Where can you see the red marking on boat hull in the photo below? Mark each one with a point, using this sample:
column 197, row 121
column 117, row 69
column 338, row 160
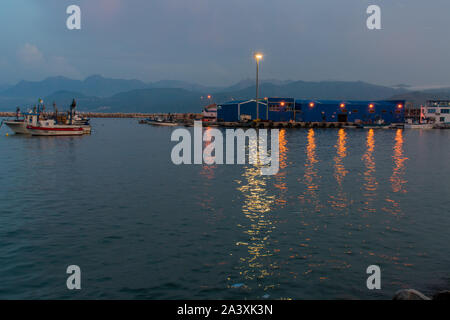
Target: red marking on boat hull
column 54, row 129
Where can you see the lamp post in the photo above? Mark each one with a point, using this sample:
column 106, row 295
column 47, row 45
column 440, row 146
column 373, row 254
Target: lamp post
column 258, row 56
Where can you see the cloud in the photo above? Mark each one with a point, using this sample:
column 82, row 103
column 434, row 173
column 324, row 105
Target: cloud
column 35, row 63
column 30, row 54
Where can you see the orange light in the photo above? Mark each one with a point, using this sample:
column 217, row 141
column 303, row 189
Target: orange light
column 311, row 104
column 209, row 96
column 400, row 106
column 258, row 56
column 371, row 106
column 342, row 105
column 282, row 103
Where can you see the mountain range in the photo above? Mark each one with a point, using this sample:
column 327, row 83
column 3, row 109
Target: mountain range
column 97, row 93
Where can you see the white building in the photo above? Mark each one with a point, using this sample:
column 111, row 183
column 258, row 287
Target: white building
column 210, row 113
column 437, row 112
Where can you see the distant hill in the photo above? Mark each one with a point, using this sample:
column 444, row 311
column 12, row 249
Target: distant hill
column 4, row 87
column 172, row 84
column 99, row 93
column 63, row 99
column 93, row 85
column 248, row 83
column 339, row 90
column 155, row 100
column 420, row 97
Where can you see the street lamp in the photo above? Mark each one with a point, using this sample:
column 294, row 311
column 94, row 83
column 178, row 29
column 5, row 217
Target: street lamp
column 258, row 56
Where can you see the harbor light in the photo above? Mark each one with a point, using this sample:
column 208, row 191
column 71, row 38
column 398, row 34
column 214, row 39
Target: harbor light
column 371, row 106
column 342, row 105
column 311, row 104
column 258, row 56
column 282, row 103
column 400, row 106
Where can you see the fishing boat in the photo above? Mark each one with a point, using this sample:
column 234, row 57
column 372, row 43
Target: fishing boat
column 20, row 123
column 380, row 124
column 51, row 128
column 162, row 122
column 37, row 122
column 17, row 126
column 419, row 125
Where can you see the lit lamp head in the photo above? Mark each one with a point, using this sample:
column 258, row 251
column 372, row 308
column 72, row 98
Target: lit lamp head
column 371, row 106
column 400, row 106
column 311, row 104
column 258, row 56
column 282, row 103
column 342, row 105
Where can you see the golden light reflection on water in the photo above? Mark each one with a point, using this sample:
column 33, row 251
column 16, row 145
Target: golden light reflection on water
column 397, row 179
column 280, row 177
column 370, row 183
column 206, row 200
column 256, row 208
column 340, row 201
column 310, row 176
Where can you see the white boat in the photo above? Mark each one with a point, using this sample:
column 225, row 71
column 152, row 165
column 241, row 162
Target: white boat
column 162, row 122
column 379, row 124
column 419, row 125
column 37, row 123
column 19, row 126
column 50, row 128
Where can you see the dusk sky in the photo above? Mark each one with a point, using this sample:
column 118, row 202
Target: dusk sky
column 211, row 42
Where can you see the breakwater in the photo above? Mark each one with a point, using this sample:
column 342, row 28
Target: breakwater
column 166, row 116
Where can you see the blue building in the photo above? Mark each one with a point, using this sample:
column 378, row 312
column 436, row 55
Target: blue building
column 289, row 109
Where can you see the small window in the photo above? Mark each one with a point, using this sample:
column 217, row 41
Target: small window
column 445, row 110
column 431, row 110
column 383, row 111
column 442, row 119
column 355, row 111
column 371, row 111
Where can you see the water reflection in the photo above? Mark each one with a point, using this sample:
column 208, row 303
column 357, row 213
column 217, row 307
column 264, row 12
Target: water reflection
column 310, row 177
column 370, row 183
column 280, row 178
column 339, row 201
column 256, row 208
column 397, row 179
column 205, row 198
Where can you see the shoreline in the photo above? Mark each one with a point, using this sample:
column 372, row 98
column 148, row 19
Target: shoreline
column 118, row 115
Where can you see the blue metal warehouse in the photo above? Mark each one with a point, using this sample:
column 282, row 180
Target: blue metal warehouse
column 289, row 109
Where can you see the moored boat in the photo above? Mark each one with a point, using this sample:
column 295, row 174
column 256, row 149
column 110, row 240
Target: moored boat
column 162, row 122
column 419, row 125
column 22, row 120
column 50, row 128
column 17, row 126
column 37, row 122
column 380, row 124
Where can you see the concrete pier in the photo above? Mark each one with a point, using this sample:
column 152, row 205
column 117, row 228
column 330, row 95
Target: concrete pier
column 165, row 116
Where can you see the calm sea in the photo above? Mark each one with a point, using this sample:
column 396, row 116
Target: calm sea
column 140, row 227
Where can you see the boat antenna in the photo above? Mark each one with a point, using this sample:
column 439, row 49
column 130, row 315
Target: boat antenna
column 72, row 109
column 55, row 108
